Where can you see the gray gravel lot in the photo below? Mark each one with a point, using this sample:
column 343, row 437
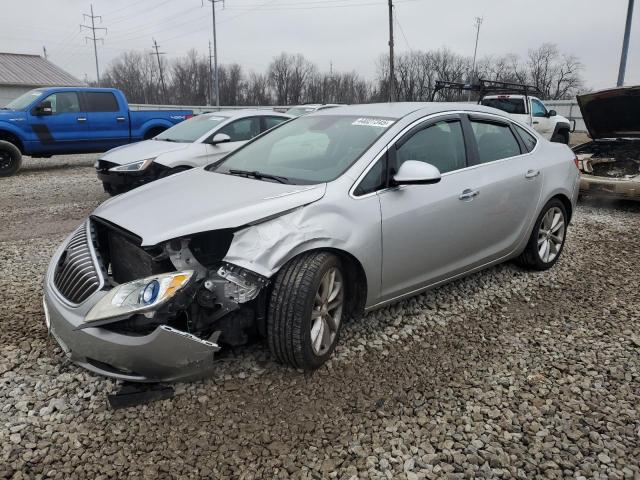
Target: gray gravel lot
column 502, row 374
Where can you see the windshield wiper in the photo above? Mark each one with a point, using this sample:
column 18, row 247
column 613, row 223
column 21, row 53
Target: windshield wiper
column 259, row 175
column 168, row 140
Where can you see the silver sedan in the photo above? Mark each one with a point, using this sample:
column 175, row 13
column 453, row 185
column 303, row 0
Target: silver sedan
column 323, row 218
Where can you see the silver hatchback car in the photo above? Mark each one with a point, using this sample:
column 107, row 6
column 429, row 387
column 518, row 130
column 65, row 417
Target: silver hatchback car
column 325, row 217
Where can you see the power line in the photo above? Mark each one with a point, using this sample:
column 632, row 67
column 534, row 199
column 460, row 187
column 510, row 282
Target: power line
column 402, row 29
column 158, row 53
column 391, row 66
column 93, row 29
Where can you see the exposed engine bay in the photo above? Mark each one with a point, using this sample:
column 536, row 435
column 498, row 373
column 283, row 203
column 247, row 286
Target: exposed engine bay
column 610, row 168
column 222, row 303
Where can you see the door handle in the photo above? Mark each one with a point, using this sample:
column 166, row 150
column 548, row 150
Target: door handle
column 120, row 119
column 82, row 119
column 536, row 123
column 468, row 194
column 532, row 174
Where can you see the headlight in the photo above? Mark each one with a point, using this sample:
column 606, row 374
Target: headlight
column 139, row 296
column 133, row 167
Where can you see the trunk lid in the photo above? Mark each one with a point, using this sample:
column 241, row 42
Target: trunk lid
column 613, row 113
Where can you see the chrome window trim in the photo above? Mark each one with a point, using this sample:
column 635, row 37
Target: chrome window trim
column 414, row 124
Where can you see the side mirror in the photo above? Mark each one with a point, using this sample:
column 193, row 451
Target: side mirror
column 43, row 108
column 220, row 138
column 413, row 172
column 552, row 113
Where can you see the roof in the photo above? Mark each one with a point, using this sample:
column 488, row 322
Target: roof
column 402, row 109
column 245, row 112
column 33, row 71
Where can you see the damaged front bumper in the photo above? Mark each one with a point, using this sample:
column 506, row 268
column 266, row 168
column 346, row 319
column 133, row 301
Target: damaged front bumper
column 166, row 354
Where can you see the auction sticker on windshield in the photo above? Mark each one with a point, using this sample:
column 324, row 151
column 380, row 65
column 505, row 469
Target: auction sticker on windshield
column 373, row 122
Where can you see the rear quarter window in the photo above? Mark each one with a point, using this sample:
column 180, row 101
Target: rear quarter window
column 529, row 140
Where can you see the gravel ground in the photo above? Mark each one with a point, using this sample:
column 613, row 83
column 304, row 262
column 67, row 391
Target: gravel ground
column 502, row 374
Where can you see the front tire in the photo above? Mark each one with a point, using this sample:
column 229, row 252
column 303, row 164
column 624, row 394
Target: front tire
column 306, row 310
column 10, row 159
column 547, row 238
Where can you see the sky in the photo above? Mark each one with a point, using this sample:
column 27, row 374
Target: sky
column 347, row 34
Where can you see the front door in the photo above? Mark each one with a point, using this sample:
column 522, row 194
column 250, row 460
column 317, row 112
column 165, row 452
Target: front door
column 429, row 231
column 239, row 131
column 63, row 129
column 540, row 118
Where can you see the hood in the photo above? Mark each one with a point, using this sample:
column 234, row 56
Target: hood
column 612, row 113
column 142, row 151
column 198, row 201
column 12, row 116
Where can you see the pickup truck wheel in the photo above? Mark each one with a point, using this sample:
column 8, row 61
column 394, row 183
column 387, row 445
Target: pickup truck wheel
column 153, row 132
column 547, row 239
column 561, row 137
column 10, row 159
column 306, row 310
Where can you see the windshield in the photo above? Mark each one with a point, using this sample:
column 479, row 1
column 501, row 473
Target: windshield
column 509, row 105
column 191, row 130
column 297, row 111
column 314, row 149
column 24, row 100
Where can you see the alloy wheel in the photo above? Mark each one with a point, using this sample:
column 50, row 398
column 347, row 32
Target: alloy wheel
column 327, row 311
column 551, row 235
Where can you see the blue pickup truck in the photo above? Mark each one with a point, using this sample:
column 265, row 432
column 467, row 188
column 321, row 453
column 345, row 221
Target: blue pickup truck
column 57, row 121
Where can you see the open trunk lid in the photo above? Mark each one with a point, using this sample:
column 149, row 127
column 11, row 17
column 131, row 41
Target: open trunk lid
column 613, row 113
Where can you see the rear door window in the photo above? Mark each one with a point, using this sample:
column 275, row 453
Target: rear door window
column 101, row 102
column 270, row 122
column 495, row 141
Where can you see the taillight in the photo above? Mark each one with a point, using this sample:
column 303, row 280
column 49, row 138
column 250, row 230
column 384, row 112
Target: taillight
column 188, row 116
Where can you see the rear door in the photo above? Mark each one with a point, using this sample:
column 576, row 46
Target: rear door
column 108, row 121
column 510, row 184
column 64, row 129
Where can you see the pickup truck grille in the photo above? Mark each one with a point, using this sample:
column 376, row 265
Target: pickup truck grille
column 77, row 276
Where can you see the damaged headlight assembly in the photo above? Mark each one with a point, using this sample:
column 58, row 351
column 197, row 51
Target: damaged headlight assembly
column 134, row 166
column 139, row 296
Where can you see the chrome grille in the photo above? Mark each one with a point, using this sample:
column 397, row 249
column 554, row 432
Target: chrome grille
column 77, row 276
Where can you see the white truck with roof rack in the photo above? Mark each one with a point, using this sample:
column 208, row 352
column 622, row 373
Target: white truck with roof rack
column 515, row 100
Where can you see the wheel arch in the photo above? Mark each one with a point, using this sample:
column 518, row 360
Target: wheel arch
column 11, row 137
column 566, row 202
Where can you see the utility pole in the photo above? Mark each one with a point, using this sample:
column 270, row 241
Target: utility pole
column 478, row 24
column 44, row 50
column 215, row 50
column 625, row 45
column 210, row 76
column 93, row 29
column 392, row 76
column 158, row 53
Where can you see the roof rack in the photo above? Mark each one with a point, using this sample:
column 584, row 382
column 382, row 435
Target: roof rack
column 485, row 87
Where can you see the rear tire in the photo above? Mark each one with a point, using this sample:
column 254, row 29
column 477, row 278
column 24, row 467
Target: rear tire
column 306, row 310
column 547, row 238
column 10, row 159
column 561, row 137
column 153, row 132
